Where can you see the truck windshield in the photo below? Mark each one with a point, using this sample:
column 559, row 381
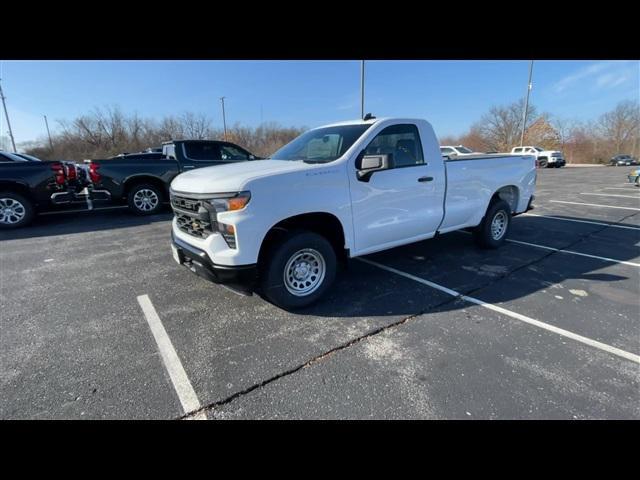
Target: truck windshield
column 321, row 145
column 462, row 149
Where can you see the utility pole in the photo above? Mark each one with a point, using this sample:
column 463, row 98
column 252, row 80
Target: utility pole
column 6, row 114
column 224, row 119
column 526, row 104
column 361, row 88
column 48, row 133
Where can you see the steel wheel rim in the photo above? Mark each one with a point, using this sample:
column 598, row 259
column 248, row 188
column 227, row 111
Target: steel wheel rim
column 11, row 211
column 304, row 272
column 499, row 225
column 145, row 199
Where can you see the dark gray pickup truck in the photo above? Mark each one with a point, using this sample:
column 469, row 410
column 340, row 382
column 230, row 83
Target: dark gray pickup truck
column 142, row 180
column 28, row 187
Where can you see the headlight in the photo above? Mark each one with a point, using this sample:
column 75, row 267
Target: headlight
column 229, row 203
column 233, row 202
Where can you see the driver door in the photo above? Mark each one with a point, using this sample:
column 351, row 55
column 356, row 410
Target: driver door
column 401, row 204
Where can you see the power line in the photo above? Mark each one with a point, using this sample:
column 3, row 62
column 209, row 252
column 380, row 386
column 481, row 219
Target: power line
column 224, row 119
column 48, row 133
column 526, row 104
column 6, row 114
column 361, row 88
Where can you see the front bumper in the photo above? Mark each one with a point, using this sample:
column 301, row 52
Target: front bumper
column 201, row 264
column 556, row 161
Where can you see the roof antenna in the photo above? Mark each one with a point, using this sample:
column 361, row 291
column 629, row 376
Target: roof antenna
column 368, row 116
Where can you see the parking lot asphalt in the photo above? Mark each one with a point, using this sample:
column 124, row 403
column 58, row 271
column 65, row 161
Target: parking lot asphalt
column 549, row 327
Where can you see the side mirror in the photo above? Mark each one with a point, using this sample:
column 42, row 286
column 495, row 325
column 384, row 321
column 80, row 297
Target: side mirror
column 368, row 164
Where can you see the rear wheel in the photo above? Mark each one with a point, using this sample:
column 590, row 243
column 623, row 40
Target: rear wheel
column 15, row 210
column 298, row 270
column 144, row 199
column 494, row 227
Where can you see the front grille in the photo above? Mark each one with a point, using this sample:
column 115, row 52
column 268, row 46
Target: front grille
column 193, row 216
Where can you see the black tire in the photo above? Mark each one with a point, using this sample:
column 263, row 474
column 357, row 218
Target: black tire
column 484, row 234
column 137, row 194
column 18, row 204
column 276, row 259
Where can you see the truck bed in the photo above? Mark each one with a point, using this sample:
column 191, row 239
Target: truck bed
column 471, row 180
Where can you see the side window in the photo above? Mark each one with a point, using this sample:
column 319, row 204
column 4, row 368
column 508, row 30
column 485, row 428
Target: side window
column 202, row 151
column 446, row 151
column 517, row 150
column 228, row 152
column 170, row 151
column 401, row 143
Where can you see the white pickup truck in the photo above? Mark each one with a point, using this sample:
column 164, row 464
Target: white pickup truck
column 544, row 158
column 456, row 150
column 336, row 192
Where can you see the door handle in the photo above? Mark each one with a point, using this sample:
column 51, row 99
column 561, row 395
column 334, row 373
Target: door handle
column 425, row 179
column 187, row 167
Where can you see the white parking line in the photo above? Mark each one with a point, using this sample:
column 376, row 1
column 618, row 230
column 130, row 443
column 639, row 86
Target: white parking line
column 580, row 221
column 630, row 187
column 571, row 252
column 594, row 205
column 181, row 383
column 609, row 195
column 523, row 318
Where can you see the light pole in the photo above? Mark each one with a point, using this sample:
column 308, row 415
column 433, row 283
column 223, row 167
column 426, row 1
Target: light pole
column 224, row 119
column 48, row 133
column 526, row 104
column 361, row 88
column 6, row 114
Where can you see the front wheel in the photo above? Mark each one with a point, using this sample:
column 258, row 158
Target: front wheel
column 298, row 270
column 493, row 230
column 15, row 210
column 144, row 199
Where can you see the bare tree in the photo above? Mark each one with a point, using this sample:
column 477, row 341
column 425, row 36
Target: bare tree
column 621, row 126
column 501, row 127
column 196, row 126
column 106, row 132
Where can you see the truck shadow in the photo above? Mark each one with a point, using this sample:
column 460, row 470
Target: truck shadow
column 64, row 223
column 511, row 272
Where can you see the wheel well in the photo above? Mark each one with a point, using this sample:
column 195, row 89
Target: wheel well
column 16, row 188
column 155, row 181
column 322, row 223
column 509, row 194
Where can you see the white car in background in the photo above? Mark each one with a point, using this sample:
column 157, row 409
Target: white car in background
column 456, row 151
column 544, row 158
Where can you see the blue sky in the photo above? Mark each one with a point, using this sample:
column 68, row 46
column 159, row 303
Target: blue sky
column 450, row 94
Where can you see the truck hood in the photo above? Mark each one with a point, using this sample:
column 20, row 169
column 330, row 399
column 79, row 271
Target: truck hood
column 232, row 177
